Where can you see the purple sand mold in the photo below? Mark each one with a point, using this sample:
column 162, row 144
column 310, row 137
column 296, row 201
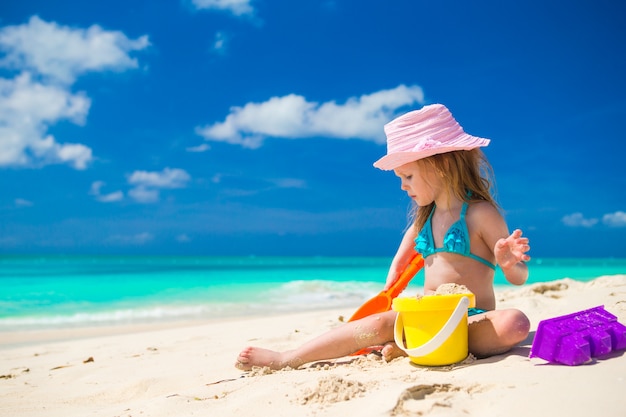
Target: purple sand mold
column 575, row 338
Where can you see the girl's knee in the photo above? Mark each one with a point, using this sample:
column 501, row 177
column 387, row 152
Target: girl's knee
column 497, row 332
column 382, row 323
column 514, row 324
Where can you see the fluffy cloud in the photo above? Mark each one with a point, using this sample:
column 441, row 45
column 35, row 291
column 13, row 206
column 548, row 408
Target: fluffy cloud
column 148, row 183
column 168, row 178
column 292, row 116
column 578, row 220
column 617, row 219
column 104, row 198
column 47, row 58
column 236, row 7
column 198, row 149
column 144, row 195
column 27, row 108
column 62, row 53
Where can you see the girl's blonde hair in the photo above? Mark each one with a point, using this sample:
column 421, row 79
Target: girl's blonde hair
column 467, row 175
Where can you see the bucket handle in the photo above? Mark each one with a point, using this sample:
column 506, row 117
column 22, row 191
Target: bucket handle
column 433, row 344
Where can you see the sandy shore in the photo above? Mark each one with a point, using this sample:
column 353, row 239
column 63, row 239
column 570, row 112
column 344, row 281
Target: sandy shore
column 188, row 370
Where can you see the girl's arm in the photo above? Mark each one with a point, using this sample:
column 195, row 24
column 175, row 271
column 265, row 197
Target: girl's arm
column 402, row 256
column 509, row 250
column 510, row 253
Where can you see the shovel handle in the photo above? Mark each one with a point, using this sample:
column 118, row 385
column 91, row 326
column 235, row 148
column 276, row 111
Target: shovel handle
column 382, row 302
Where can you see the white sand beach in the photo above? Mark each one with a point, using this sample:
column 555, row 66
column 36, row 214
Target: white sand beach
column 188, row 370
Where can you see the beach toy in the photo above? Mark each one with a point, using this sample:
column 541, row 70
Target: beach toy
column 434, row 327
column 575, row 338
column 382, row 302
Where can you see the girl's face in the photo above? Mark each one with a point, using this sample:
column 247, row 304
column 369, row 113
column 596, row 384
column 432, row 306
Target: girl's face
column 420, row 184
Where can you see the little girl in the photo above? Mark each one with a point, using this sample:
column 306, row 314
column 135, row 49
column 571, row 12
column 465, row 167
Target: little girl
column 459, row 231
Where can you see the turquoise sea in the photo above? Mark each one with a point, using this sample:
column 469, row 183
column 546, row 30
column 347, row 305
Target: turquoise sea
column 39, row 292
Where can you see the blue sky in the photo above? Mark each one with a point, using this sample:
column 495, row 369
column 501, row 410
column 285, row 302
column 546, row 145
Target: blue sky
column 249, row 127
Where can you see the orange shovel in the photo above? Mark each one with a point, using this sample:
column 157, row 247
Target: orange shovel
column 382, row 302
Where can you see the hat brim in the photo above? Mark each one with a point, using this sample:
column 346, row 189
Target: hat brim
column 397, row 159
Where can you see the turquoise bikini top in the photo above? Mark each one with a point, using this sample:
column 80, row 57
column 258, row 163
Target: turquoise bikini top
column 456, row 239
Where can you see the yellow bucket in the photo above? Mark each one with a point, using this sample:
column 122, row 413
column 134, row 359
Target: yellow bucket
column 434, row 327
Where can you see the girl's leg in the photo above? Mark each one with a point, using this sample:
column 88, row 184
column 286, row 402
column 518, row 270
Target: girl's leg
column 336, row 343
column 496, row 332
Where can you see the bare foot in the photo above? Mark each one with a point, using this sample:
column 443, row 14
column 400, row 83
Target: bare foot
column 254, row 356
column 391, row 351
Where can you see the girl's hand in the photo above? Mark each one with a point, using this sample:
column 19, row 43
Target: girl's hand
column 512, row 250
column 392, row 277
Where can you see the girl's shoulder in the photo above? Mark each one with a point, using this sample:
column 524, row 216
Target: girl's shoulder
column 485, row 220
column 483, row 210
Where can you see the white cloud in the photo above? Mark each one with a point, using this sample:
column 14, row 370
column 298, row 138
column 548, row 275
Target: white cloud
column 200, row 148
column 74, row 153
column 168, row 178
column 236, row 7
column 37, row 103
column 63, row 53
column 148, row 183
column 144, row 195
column 292, row 116
column 47, row 59
column 617, row 219
column 578, row 220
column 27, row 109
column 111, row 197
column 105, row 198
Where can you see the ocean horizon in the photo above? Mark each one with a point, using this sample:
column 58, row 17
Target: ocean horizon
column 66, row 291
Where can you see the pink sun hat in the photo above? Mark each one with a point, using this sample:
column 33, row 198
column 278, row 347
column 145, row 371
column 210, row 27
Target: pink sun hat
column 422, row 133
